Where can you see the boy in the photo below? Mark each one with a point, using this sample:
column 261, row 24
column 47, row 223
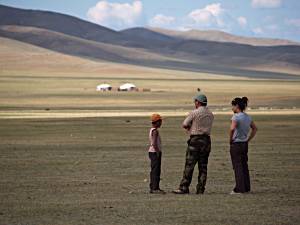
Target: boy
column 155, row 154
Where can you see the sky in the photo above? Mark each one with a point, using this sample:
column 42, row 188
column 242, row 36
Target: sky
column 255, row 18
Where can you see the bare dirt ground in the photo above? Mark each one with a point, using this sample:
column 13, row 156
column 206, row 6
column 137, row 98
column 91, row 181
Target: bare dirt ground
column 119, row 113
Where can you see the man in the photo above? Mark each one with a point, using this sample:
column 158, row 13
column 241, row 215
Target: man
column 198, row 124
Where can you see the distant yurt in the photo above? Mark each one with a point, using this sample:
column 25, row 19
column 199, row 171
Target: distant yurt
column 127, row 87
column 104, row 87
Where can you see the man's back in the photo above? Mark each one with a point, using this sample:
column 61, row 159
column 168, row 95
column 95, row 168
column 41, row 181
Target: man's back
column 200, row 121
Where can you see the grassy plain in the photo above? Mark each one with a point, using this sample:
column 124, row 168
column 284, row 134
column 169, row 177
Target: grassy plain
column 93, row 171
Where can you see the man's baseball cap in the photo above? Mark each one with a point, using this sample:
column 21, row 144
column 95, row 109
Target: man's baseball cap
column 155, row 117
column 201, row 98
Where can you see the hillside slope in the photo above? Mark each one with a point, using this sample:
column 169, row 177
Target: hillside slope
column 146, row 47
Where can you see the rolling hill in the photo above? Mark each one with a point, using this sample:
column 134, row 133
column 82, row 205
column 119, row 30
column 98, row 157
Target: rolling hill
column 220, row 36
column 147, row 47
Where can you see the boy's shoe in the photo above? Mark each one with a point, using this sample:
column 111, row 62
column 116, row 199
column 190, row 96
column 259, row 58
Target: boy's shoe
column 199, row 192
column 181, row 192
column 200, row 189
column 158, row 191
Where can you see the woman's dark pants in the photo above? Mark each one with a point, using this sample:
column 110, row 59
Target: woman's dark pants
column 155, row 158
column 239, row 158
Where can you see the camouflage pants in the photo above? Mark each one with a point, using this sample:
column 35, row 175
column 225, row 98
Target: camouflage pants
column 197, row 152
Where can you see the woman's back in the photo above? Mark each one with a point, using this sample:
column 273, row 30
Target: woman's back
column 243, row 121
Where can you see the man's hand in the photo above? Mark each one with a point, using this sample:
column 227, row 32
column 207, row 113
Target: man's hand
column 187, row 123
column 186, row 127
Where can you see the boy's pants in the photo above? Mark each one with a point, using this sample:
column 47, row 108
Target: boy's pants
column 155, row 158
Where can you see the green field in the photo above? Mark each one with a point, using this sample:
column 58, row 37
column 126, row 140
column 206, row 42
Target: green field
column 79, row 93
column 93, row 171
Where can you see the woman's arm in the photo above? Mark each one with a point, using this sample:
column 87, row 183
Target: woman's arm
column 253, row 131
column 231, row 131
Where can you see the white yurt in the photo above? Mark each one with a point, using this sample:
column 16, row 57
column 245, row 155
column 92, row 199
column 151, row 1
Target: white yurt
column 127, row 87
column 104, row 87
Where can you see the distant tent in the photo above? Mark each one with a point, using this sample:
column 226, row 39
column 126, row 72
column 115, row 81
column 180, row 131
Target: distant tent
column 104, row 87
column 127, row 87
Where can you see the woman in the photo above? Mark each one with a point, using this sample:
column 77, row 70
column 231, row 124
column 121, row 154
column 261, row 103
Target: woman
column 241, row 123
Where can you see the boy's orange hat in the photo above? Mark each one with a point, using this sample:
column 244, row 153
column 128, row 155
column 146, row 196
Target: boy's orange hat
column 155, row 117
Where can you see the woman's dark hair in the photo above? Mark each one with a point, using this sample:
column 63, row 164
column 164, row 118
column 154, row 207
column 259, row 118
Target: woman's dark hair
column 245, row 100
column 240, row 102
